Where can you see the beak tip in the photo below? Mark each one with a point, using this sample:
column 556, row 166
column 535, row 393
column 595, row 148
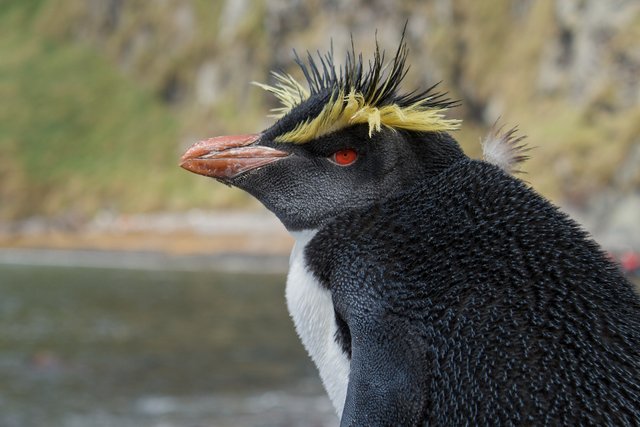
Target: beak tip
column 184, row 160
column 188, row 165
column 226, row 157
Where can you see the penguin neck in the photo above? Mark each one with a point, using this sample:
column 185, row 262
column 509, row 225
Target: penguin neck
column 311, row 308
column 302, row 238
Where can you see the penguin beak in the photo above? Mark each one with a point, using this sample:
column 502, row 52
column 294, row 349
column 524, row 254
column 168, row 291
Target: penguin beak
column 226, row 157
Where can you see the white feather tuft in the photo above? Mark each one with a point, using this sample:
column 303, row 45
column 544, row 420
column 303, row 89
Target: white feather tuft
column 504, row 149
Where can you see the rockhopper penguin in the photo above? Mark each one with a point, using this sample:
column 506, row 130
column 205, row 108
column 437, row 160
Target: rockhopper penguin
column 427, row 287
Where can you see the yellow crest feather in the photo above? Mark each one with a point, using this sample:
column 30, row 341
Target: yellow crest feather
column 342, row 111
column 288, row 91
column 357, row 97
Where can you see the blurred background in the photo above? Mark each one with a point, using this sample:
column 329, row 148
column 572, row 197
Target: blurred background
column 135, row 293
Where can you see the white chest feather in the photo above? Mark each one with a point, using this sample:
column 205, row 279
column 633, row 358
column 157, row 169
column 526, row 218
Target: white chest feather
column 311, row 308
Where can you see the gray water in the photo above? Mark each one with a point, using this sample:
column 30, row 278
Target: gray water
column 108, row 347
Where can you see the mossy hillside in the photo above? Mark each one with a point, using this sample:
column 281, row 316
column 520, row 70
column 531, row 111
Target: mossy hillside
column 578, row 146
column 77, row 136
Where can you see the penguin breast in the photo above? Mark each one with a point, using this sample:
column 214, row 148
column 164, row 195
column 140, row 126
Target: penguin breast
column 311, row 308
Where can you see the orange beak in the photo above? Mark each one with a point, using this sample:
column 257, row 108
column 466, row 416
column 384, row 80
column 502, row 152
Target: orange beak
column 226, row 157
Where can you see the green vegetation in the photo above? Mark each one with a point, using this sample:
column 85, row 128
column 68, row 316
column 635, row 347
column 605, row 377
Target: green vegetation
column 77, row 136
column 578, row 145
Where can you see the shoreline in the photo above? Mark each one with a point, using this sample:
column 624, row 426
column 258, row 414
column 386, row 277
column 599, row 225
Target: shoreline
column 145, row 260
column 226, row 241
column 223, row 241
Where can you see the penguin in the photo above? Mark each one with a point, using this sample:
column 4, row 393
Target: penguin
column 427, row 287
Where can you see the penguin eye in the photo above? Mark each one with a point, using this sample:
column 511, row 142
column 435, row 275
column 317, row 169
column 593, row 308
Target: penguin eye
column 344, row 157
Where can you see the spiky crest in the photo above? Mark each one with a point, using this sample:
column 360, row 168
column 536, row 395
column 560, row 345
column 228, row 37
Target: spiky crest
column 358, row 96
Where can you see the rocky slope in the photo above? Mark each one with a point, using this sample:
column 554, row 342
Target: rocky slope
column 565, row 71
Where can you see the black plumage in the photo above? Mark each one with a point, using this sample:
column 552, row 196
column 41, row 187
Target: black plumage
column 479, row 302
column 379, row 83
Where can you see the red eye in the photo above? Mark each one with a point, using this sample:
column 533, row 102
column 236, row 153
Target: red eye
column 344, row 157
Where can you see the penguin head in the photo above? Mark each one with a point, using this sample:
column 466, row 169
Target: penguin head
column 345, row 141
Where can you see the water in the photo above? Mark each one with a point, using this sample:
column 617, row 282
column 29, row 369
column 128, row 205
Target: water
column 94, row 347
